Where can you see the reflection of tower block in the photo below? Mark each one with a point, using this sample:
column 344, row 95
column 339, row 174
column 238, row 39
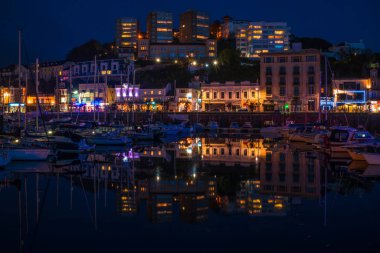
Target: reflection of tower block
column 241, row 196
column 160, row 208
column 143, row 189
column 193, row 208
column 211, row 190
column 126, row 202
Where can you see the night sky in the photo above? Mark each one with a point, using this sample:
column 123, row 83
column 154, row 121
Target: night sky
column 51, row 28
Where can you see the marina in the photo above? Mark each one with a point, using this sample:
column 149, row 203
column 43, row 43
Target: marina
column 224, row 183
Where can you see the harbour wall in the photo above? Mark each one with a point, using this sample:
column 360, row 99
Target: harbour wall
column 370, row 121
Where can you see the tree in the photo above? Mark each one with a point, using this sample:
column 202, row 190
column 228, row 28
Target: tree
column 88, row 50
column 316, row 43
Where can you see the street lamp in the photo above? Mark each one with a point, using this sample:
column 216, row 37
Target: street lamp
column 258, row 98
column 215, row 62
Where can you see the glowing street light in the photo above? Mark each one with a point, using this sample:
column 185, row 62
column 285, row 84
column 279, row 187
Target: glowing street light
column 194, row 63
column 158, row 60
column 215, row 62
column 206, row 65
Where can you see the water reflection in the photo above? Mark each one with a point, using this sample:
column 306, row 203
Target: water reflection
column 186, row 181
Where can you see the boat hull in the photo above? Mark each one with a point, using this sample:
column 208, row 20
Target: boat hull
column 372, row 158
column 356, row 156
column 29, row 154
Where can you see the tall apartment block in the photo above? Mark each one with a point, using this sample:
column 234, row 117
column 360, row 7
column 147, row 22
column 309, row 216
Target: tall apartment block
column 263, row 37
column 230, row 27
column 290, row 81
column 194, row 26
column 160, row 27
column 126, row 37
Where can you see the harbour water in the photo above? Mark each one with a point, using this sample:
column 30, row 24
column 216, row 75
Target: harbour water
column 203, row 194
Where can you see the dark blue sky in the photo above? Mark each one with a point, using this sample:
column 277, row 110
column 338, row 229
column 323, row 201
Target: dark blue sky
column 51, row 28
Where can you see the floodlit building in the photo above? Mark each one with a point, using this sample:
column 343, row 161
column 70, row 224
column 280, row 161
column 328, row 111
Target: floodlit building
column 352, row 95
column 262, row 37
column 127, row 30
column 10, row 99
column 230, row 96
column 188, row 99
column 290, row 81
column 160, row 27
column 194, row 26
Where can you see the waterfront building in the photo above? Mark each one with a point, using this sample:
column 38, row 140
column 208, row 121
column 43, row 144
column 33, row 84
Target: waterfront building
column 10, row 99
column 160, row 27
column 153, row 97
column 290, row 81
column 374, row 89
column 188, row 99
column 352, row 95
column 194, row 26
column 262, row 37
column 125, row 96
column 230, row 27
column 47, row 102
column 230, row 96
column 173, row 51
column 62, row 98
column 127, row 30
column 93, row 96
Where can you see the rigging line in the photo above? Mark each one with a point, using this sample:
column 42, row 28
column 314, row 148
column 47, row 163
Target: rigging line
column 37, row 98
column 85, row 196
column 35, row 231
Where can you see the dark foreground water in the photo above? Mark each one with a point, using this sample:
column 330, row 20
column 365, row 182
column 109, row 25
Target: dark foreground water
column 193, row 195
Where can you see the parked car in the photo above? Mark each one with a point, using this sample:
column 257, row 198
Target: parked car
column 242, row 110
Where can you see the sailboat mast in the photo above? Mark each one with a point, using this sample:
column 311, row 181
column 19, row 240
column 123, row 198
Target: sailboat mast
column 326, row 89
column 95, row 69
column 37, row 84
column 26, row 92
column 19, row 78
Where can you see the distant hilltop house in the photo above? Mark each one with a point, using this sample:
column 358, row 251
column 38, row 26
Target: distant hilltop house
column 346, row 48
